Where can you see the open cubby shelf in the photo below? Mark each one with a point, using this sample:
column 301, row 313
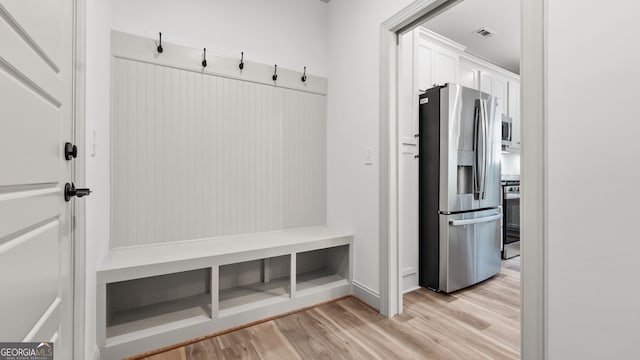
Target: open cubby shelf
column 157, row 302
column 251, row 284
column 150, row 297
column 173, row 313
column 253, row 295
column 318, row 279
column 322, row 268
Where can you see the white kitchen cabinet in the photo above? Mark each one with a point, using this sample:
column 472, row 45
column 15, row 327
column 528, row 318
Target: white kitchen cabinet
column 445, row 67
column 500, row 91
column 468, row 74
column 514, row 113
column 437, row 65
column 408, row 90
column 496, row 85
column 486, row 82
column 415, row 72
column 425, row 66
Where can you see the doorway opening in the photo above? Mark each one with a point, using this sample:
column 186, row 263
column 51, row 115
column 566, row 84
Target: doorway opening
column 429, row 54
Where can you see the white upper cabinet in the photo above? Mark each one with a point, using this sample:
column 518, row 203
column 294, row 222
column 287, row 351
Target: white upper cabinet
column 446, row 67
column 486, row 82
column 514, row 113
column 408, row 90
column 499, row 90
column 440, row 61
column 496, row 85
column 425, row 66
column 438, row 64
column 468, row 74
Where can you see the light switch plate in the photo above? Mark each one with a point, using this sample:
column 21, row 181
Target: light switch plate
column 93, row 144
column 368, row 156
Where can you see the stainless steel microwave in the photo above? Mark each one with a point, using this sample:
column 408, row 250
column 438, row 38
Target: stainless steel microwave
column 507, row 132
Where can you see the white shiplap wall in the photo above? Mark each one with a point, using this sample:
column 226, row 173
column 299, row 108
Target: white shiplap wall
column 197, row 155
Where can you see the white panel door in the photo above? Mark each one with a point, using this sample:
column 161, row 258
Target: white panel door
column 35, row 122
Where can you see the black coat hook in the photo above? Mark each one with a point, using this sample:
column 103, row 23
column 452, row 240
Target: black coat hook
column 275, row 73
column 304, row 75
column 204, row 58
column 160, row 49
column 241, row 65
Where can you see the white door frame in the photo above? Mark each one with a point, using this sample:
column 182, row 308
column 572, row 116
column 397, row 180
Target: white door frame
column 78, row 234
column 533, row 74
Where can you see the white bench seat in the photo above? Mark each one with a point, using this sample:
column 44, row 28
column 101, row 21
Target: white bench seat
column 246, row 278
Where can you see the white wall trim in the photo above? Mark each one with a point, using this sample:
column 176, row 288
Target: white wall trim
column 430, row 35
column 138, row 48
column 96, row 353
column 366, row 294
column 79, row 177
column 473, row 58
column 416, row 13
column 411, row 289
column 390, row 275
column 465, row 55
column 534, row 179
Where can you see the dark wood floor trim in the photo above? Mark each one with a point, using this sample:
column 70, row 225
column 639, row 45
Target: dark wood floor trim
column 223, row 332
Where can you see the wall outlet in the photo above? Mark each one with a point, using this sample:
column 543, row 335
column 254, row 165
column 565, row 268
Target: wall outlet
column 368, row 156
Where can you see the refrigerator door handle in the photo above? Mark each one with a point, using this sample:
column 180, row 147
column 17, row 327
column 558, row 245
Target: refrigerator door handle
column 476, row 143
column 475, row 221
column 485, row 135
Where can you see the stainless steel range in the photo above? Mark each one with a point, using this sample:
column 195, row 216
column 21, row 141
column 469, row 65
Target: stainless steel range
column 511, row 219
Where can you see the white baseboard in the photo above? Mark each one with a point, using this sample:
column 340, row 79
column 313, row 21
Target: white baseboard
column 366, row 294
column 96, row 354
column 411, row 289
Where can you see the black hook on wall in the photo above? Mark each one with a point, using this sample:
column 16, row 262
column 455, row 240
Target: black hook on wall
column 304, row 75
column 275, row 73
column 241, row 65
column 204, row 58
column 160, row 49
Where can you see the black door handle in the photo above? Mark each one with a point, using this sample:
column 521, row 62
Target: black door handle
column 71, row 191
column 70, row 151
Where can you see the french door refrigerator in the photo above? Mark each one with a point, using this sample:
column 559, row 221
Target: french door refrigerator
column 459, row 192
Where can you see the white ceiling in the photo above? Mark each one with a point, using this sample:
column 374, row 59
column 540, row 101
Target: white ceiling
column 501, row 16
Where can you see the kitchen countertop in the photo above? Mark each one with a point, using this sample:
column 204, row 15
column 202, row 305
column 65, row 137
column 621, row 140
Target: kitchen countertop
column 515, row 177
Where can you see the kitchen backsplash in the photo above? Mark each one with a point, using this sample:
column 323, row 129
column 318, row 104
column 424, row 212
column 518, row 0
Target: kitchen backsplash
column 510, row 164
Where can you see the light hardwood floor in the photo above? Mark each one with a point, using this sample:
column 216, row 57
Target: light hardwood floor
column 481, row 322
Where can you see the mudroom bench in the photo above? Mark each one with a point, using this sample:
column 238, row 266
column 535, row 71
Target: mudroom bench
column 156, row 295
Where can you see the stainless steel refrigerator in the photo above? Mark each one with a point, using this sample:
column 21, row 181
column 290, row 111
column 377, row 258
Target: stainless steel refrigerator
column 459, row 193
